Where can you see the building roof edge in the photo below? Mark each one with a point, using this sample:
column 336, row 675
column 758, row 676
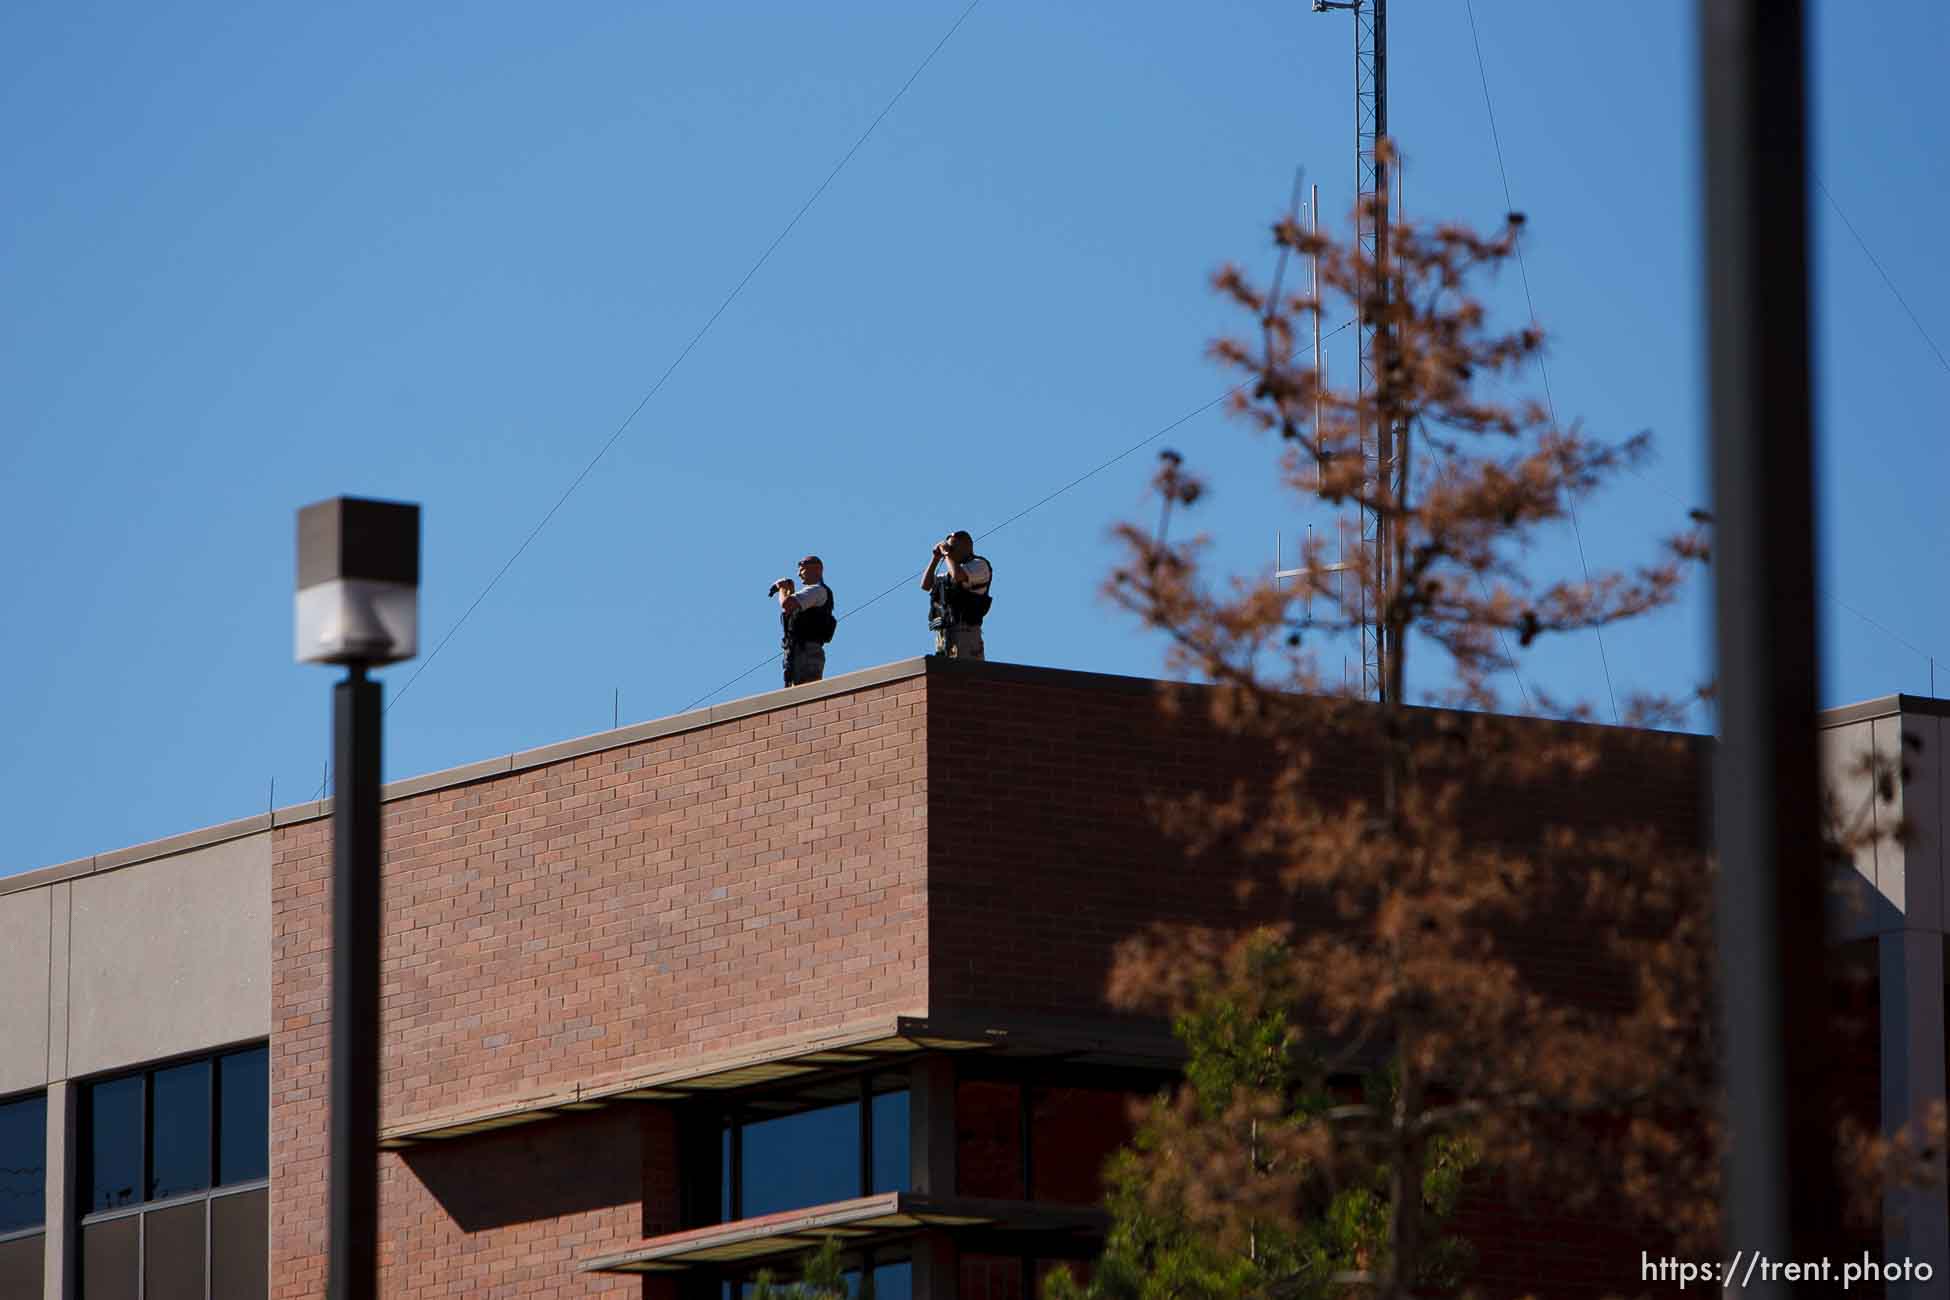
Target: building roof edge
column 483, row 770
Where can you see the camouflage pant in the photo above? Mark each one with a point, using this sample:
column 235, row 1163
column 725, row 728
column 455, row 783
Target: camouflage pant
column 964, row 642
column 805, row 661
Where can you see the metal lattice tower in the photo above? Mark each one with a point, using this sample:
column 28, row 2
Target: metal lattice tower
column 1371, row 207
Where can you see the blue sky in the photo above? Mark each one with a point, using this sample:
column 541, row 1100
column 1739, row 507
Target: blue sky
column 252, row 256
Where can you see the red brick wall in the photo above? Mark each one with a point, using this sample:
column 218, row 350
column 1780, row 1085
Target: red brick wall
column 1527, row 1249
column 608, row 914
column 598, row 917
column 1044, row 852
column 1043, row 855
column 512, row 1212
column 1041, row 850
column 301, row 880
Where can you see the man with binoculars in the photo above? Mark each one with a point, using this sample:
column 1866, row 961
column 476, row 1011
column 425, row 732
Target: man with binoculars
column 806, row 616
column 958, row 599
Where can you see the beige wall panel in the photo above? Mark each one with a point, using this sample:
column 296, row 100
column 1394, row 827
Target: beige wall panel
column 24, row 932
column 1892, row 864
column 1923, row 809
column 61, row 904
column 170, row 956
column 1860, row 907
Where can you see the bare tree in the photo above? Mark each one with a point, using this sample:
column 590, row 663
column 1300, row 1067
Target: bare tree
column 1406, row 919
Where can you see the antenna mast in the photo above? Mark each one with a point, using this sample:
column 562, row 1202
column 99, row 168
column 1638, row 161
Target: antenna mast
column 1381, row 472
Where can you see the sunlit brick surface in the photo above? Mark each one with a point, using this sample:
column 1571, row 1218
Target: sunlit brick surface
column 590, row 919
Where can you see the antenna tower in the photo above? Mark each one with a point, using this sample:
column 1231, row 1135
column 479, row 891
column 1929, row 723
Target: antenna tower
column 1378, row 440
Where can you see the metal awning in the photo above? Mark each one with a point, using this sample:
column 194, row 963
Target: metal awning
column 884, row 1042
column 849, row 1049
column 865, row 1220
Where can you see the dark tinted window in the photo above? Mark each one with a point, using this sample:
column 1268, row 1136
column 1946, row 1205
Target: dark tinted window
column 179, row 1130
column 988, row 1139
column 893, row 1281
column 23, row 1163
column 889, row 1143
column 797, row 1160
column 1073, row 1131
column 240, row 1228
column 113, row 1113
column 244, row 1116
column 990, row 1277
column 172, row 1253
column 110, row 1253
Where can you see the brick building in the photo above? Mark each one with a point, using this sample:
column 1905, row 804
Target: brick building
column 669, row 1002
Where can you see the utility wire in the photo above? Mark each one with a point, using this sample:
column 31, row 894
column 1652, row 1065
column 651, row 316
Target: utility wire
column 1470, row 8
column 1033, row 506
column 1830, row 597
column 1153, row 437
column 1942, row 360
column 1502, row 633
column 1510, row 205
column 1875, row 262
column 696, row 338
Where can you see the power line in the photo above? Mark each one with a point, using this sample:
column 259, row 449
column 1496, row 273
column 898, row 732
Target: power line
column 1896, row 293
column 1830, row 597
column 1875, row 262
column 1510, row 205
column 1470, row 8
column 1038, row 504
column 696, row 338
column 1502, row 633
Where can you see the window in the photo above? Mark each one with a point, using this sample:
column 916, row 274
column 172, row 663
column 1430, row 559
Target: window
column 180, row 1102
column 989, row 1277
column 1073, row 1132
column 173, row 1197
column 1005, row 1277
column 23, row 1193
column 805, row 1159
column 243, row 1117
column 886, row 1274
column 1035, row 1141
column 889, row 1149
column 893, row 1281
column 112, row 1113
column 988, row 1139
column 808, row 1147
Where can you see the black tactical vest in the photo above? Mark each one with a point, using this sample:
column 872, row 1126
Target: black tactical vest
column 817, row 624
column 952, row 605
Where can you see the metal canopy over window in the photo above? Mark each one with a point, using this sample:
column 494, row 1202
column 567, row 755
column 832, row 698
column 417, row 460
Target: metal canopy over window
column 882, row 1042
column 909, row 1038
column 863, row 1221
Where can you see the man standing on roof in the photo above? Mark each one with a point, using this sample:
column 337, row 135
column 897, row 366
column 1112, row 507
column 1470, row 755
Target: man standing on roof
column 958, row 599
column 806, row 617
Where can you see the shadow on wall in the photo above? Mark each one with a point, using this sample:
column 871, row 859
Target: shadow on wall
column 547, row 1170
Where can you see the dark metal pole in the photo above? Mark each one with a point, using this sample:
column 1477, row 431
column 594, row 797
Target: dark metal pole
column 1387, row 651
column 355, row 988
column 1782, row 1192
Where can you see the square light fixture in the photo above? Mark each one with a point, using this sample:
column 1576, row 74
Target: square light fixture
column 358, row 582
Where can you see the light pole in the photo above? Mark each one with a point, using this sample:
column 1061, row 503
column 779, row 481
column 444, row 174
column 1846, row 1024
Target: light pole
column 357, row 605
column 1782, row 1186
